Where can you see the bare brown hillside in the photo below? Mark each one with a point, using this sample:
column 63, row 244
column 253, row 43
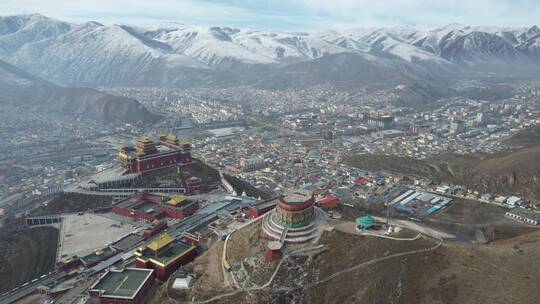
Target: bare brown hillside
column 513, row 172
column 454, row 273
column 506, row 271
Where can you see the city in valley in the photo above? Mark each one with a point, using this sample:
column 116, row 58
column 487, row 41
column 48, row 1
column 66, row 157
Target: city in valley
column 193, row 164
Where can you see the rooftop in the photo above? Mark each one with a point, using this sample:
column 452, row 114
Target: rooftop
column 162, row 241
column 297, row 196
column 98, row 255
column 113, row 174
column 124, row 283
column 526, row 213
column 127, row 242
column 275, row 245
column 175, row 250
column 177, row 200
column 138, row 204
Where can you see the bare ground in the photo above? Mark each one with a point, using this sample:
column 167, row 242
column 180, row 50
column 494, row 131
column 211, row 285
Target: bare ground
column 504, row 272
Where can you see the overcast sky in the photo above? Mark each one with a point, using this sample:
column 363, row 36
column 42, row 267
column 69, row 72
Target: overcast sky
column 287, row 14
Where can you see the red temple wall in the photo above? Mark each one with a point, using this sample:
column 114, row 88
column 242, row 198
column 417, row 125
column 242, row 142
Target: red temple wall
column 290, row 207
column 158, row 162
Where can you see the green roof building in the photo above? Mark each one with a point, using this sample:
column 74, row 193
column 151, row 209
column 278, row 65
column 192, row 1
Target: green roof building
column 365, row 222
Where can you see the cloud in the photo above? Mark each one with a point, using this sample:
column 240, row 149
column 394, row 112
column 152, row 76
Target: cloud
column 289, row 14
column 426, row 12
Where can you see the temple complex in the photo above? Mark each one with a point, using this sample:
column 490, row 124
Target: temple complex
column 148, row 155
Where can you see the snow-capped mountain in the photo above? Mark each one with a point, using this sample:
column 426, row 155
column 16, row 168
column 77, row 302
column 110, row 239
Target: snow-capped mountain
column 181, row 55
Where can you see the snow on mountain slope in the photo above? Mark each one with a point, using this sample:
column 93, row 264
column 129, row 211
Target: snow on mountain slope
column 210, row 45
column 217, row 44
column 17, row 31
column 471, row 45
column 93, row 53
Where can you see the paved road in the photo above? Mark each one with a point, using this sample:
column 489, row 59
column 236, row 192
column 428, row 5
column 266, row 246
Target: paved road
column 417, row 227
column 62, row 155
column 22, row 292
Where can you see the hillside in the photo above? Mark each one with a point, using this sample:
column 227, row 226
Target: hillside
column 345, row 69
column 453, row 273
column 25, row 254
column 512, row 172
column 20, row 88
column 527, row 137
column 516, row 172
column 364, row 269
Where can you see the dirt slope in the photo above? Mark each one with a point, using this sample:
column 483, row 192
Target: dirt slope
column 454, row 273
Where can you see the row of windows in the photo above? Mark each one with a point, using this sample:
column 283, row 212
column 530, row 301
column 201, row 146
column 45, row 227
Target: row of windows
column 161, row 164
column 526, row 220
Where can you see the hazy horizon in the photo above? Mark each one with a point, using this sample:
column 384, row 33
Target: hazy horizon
column 293, row 15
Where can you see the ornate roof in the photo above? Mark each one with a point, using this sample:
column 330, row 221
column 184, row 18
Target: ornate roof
column 177, row 200
column 163, row 240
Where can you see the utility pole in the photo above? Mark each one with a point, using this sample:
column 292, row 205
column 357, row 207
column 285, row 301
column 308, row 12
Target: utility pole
column 387, row 208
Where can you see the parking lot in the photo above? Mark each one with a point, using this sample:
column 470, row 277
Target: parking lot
column 82, row 234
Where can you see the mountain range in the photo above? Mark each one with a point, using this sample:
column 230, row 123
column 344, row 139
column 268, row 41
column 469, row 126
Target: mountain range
column 178, row 55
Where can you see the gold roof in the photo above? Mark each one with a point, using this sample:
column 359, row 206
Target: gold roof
column 163, row 240
column 144, row 139
column 141, row 258
column 176, row 200
column 145, row 146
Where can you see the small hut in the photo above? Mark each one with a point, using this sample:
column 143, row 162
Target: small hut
column 274, row 251
column 365, row 222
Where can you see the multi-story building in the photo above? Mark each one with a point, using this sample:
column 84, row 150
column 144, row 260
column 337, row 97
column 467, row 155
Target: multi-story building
column 381, row 122
column 148, row 155
column 154, row 207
